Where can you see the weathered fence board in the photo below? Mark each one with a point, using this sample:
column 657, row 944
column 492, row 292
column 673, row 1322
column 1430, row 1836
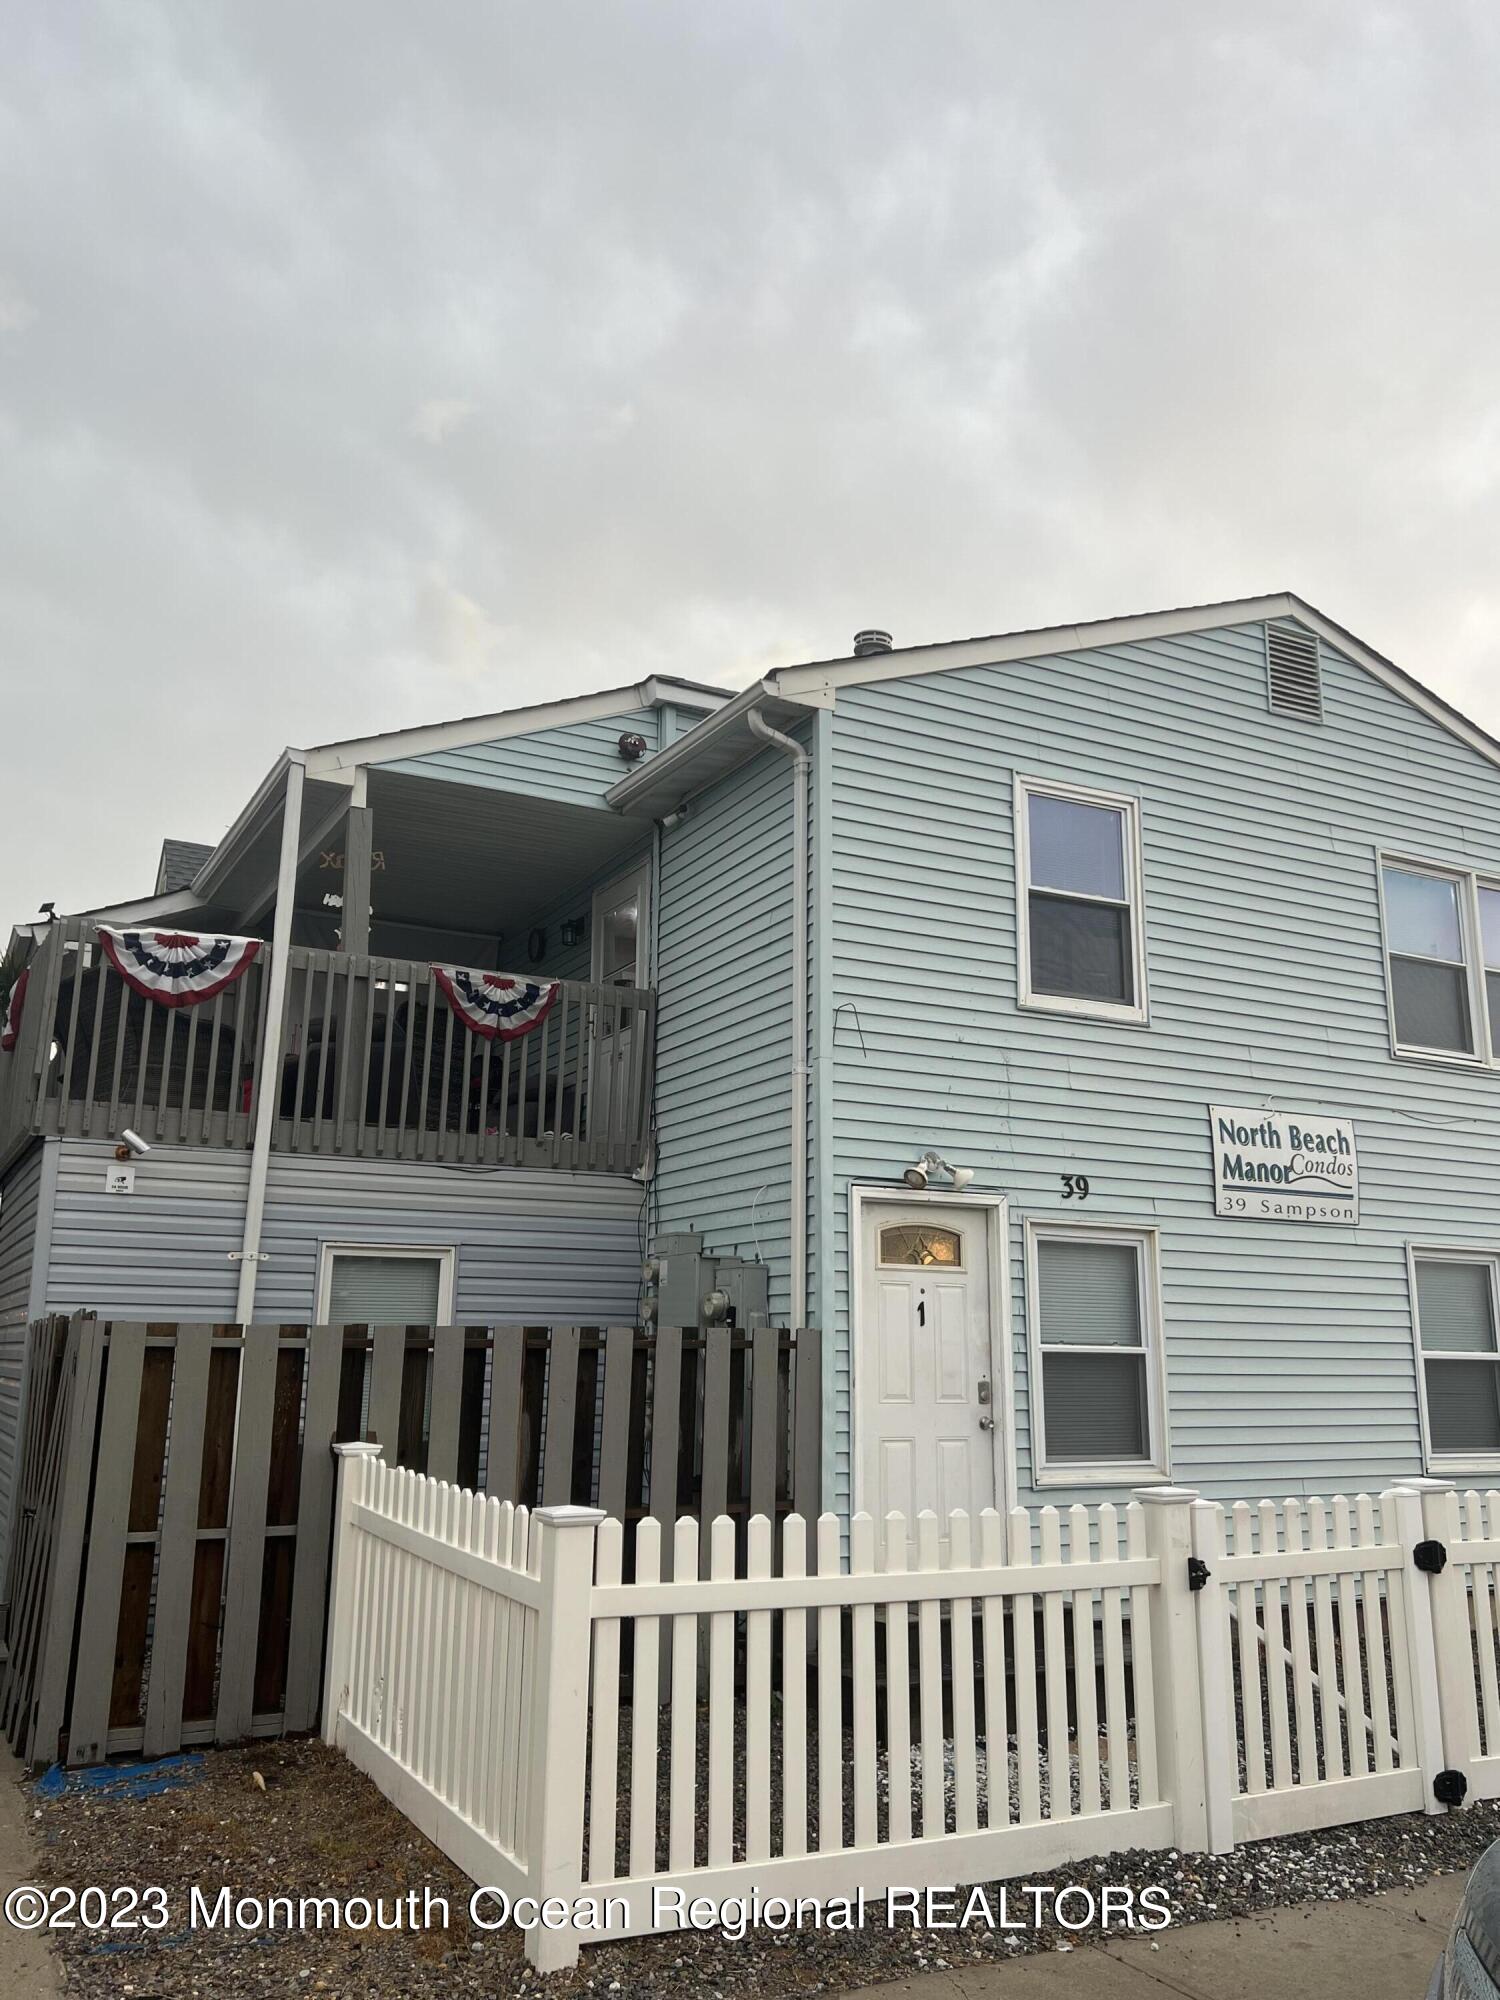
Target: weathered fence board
column 197, row 1574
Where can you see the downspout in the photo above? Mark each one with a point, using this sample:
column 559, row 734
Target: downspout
column 798, row 1197
column 268, row 1079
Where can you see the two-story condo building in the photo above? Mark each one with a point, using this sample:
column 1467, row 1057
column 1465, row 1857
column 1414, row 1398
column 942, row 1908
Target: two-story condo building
column 1096, row 1031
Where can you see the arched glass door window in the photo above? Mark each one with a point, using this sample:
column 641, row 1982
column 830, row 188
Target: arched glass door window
column 918, row 1243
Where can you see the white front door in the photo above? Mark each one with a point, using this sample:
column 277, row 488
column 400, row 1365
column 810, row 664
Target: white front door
column 926, row 1387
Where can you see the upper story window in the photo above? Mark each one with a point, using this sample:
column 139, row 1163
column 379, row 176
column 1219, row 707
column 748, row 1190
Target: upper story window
column 1442, row 942
column 1081, row 933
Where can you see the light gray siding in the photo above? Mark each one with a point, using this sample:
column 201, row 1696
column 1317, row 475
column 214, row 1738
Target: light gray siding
column 723, row 1023
column 543, row 1246
column 162, row 1252
column 20, row 1214
column 1289, row 1347
column 531, row 1245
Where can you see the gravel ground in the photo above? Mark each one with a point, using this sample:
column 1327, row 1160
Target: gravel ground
column 319, row 1827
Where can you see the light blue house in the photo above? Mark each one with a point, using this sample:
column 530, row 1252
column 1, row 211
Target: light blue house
column 1094, row 1030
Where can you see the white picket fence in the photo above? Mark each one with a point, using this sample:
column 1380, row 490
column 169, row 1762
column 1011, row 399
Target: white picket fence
column 1017, row 1694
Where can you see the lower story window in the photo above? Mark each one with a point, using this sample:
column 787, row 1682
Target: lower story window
column 1095, row 1349
column 377, row 1285
column 1456, row 1322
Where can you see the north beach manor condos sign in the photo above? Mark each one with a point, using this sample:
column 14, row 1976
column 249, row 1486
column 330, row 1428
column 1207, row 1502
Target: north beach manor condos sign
column 1283, row 1167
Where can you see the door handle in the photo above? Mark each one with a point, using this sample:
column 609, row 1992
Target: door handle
column 986, row 1423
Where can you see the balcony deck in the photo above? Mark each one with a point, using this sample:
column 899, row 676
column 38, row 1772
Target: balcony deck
column 374, row 1064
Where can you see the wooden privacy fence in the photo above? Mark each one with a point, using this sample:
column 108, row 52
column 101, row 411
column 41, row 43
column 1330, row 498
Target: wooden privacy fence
column 169, row 1571
column 927, row 1709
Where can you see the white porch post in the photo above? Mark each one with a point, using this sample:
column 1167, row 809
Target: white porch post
column 268, row 1070
column 354, row 926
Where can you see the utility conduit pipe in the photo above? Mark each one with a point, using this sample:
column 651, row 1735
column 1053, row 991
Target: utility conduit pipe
column 797, row 1221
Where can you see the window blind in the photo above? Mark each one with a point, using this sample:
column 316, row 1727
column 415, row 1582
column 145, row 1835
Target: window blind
column 1095, row 1406
column 1454, row 1312
column 1090, row 1295
column 384, row 1291
column 1463, row 1406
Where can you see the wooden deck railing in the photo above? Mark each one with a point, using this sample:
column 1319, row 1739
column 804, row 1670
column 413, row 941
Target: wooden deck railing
column 373, row 1064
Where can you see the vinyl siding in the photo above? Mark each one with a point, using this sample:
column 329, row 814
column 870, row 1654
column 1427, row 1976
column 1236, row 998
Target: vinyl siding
column 530, row 1245
column 1290, row 1354
column 576, row 762
column 162, row 1252
column 723, row 1023
column 19, row 1215
column 538, row 1246
column 576, row 961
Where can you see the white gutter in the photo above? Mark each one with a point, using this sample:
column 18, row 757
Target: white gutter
column 798, row 1219
column 268, row 1081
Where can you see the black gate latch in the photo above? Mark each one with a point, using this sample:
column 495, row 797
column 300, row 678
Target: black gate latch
column 1449, row 1787
column 1197, row 1572
column 1430, row 1557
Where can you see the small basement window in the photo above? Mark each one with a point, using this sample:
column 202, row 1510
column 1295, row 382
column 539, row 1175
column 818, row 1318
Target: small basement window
column 1078, row 890
column 1456, row 1322
column 382, row 1285
column 1294, row 671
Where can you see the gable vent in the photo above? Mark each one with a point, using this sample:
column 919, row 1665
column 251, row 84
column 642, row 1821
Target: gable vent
column 1292, row 673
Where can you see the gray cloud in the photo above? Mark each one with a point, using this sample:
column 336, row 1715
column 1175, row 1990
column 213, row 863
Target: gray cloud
column 365, row 364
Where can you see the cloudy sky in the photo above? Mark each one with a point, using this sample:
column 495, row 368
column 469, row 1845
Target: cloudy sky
column 367, row 364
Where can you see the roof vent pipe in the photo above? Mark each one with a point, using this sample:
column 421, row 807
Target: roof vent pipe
column 871, row 641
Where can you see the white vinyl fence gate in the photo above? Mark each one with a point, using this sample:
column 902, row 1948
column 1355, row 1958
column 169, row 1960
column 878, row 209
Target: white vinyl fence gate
column 1025, row 1692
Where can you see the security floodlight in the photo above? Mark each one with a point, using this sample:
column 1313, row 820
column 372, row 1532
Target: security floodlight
column 918, row 1176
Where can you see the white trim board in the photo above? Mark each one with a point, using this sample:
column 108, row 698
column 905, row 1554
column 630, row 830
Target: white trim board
column 445, row 1255
column 996, row 1208
column 826, row 677
column 816, row 683
column 329, row 760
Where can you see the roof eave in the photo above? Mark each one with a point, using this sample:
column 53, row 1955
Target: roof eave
column 334, row 762
column 707, row 753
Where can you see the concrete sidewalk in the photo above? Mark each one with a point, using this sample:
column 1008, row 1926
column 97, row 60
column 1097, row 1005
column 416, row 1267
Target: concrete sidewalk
column 27, row 1964
column 1383, row 1948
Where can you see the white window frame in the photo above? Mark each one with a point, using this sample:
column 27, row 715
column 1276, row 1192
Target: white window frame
column 1128, row 806
column 445, row 1255
column 1441, row 1463
column 637, row 875
column 1469, row 882
column 1145, row 1239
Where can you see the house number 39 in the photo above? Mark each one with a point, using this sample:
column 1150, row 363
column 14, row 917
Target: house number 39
column 1075, row 1187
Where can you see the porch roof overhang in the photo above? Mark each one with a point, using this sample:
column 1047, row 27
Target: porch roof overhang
column 448, row 857
column 473, row 858
column 710, row 751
